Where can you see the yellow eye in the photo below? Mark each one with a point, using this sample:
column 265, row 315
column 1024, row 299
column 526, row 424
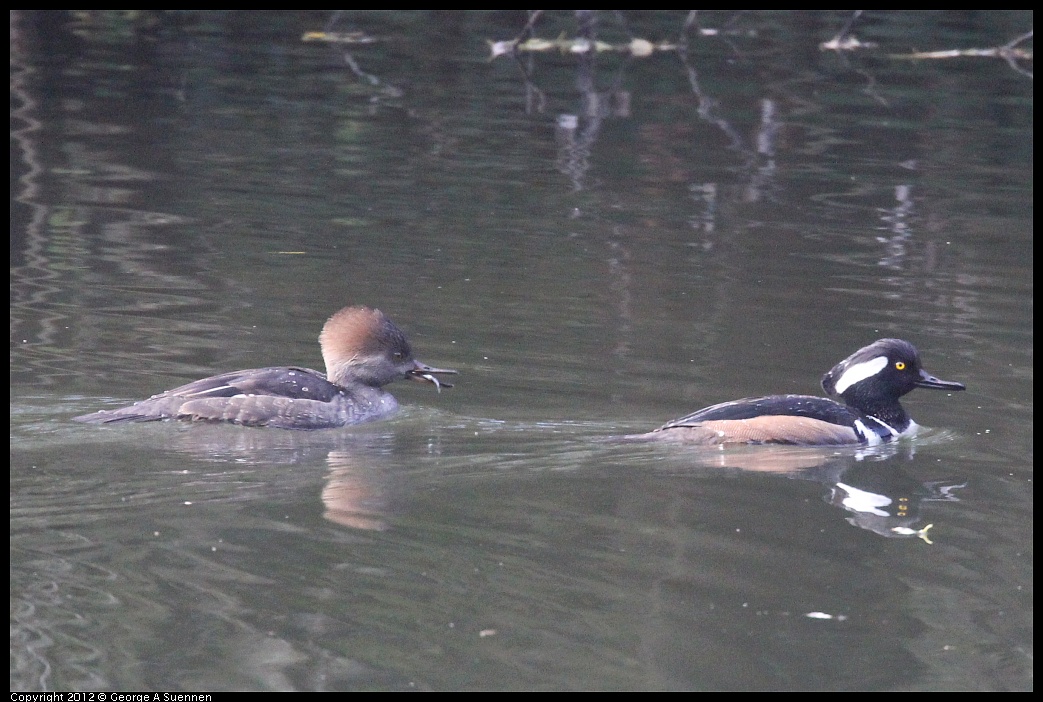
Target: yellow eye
column 900, row 365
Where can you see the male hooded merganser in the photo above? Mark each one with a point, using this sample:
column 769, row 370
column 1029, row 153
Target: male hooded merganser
column 868, row 384
column 363, row 351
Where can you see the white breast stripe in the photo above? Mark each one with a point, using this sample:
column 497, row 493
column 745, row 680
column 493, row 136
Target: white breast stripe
column 870, row 436
column 911, row 429
column 885, row 425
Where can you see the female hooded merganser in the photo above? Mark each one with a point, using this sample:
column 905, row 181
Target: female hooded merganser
column 363, row 351
column 868, row 384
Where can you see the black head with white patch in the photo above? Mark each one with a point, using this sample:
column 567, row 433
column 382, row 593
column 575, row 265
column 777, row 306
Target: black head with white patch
column 873, row 378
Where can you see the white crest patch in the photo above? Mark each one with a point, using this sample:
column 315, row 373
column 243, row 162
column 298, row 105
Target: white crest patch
column 865, row 502
column 859, row 372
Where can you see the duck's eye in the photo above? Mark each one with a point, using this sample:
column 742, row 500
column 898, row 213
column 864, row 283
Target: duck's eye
column 397, row 354
column 900, row 365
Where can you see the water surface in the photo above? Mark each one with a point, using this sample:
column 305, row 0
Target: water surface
column 598, row 246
